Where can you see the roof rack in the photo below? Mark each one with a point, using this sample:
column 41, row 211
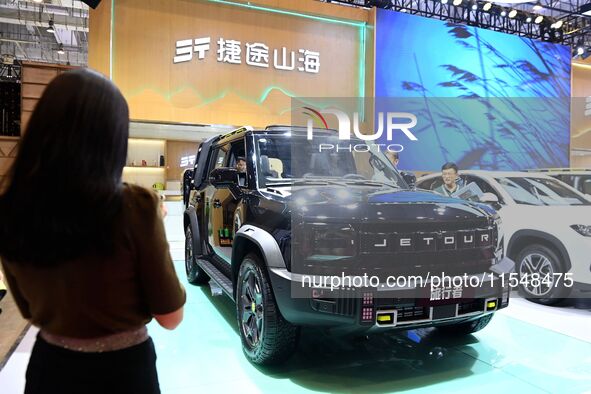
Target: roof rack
column 294, row 128
column 558, row 169
column 237, row 131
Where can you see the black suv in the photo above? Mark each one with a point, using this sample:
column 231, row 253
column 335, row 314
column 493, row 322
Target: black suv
column 269, row 235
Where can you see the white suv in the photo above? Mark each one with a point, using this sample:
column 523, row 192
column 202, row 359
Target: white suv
column 580, row 179
column 547, row 226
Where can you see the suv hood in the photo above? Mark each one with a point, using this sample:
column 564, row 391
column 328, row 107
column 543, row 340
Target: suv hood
column 372, row 204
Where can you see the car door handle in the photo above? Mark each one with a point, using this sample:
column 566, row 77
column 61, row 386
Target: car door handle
column 217, row 203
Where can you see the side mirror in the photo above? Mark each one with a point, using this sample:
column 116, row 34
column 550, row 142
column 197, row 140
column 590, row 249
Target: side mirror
column 409, row 178
column 225, row 178
column 489, row 198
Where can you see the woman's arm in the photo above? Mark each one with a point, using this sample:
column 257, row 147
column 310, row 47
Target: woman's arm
column 171, row 320
column 162, row 291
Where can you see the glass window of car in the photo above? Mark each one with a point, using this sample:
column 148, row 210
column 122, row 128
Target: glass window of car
column 484, row 185
column 219, row 156
column 285, row 158
column 540, row 191
column 581, row 182
column 430, row 184
column 585, row 184
column 237, row 149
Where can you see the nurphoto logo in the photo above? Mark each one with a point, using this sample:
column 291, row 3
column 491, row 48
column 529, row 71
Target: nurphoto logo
column 387, row 124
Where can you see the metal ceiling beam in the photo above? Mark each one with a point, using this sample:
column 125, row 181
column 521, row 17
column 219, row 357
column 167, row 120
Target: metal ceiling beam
column 43, row 24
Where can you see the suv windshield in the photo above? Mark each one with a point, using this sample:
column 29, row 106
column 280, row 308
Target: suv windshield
column 285, row 159
column 540, row 191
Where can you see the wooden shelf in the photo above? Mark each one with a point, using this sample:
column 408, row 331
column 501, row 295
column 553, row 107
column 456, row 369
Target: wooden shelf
column 9, row 138
column 154, row 167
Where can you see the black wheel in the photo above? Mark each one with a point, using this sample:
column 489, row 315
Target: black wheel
column 466, row 328
column 267, row 338
column 539, row 261
column 195, row 274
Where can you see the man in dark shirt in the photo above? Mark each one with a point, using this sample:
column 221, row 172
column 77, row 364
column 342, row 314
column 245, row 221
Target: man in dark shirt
column 449, row 173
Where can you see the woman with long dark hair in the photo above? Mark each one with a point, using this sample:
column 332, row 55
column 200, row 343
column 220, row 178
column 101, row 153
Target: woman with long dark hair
column 85, row 256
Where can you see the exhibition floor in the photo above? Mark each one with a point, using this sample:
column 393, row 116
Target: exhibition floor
column 538, row 352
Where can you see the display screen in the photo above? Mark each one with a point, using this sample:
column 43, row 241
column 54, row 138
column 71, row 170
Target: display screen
column 483, row 99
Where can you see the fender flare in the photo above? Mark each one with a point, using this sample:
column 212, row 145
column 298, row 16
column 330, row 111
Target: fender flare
column 191, row 214
column 268, row 246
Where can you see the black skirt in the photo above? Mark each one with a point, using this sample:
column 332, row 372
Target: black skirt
column 53, row 369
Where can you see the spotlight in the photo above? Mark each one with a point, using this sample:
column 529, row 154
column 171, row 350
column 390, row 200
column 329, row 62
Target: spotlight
column 457, row 2
column 443, row 1
column 539, row 19
column 512, row 13
column 580, row 51
column 38, row 1
column 558, row 24
column 528, row 20
column 487, row 6
column 474, row 7
column 537, row 6
column 403, row 10
column 60, row 49
column 503, row 13
column 51, row 28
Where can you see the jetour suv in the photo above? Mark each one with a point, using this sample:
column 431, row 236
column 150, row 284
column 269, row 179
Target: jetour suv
column 298, row 213
column 547, row 228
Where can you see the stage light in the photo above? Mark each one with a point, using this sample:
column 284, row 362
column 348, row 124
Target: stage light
column 487, row 6
column 503, row 13
column 38, row 1
column 537, row 6
column 457, row 2
column 60, row 49
column 558, row 24
column 512, row 13
column 443, row 1
column 51, row 28
column 528, row 20
column 539, row 19
column 580, row 51
column 585, row 9
column 474, row 7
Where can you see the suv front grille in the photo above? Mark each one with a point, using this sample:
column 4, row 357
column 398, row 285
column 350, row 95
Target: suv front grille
column 412, row 313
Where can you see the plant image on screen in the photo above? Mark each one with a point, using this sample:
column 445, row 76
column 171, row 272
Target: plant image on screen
column 484, row 99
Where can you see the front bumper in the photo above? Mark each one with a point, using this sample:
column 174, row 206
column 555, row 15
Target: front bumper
column 357, row 310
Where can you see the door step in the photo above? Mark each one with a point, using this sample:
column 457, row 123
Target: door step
column 216, row 290
column 219, row 281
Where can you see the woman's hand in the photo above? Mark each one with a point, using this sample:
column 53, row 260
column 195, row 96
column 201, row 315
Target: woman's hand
column 163, row 209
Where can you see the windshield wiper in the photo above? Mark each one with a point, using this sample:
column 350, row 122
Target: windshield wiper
column 339, row 182
column 367, row 182
column 279, row 183
column 303, row 181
